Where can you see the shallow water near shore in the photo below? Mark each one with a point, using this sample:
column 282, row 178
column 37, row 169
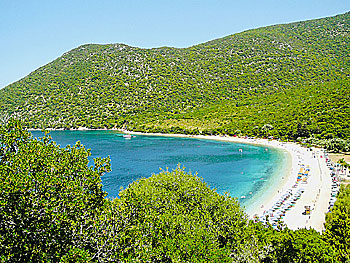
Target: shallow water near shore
column 242, row 170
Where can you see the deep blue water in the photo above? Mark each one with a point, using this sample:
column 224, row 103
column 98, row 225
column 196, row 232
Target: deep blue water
column 220, row 164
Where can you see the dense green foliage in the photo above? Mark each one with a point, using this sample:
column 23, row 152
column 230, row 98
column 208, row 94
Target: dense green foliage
column 52, row 209
column 289, row 81
column 338, row 225
column 285, row 80
column 173, row 217
column 47, row 195
column 343, row 163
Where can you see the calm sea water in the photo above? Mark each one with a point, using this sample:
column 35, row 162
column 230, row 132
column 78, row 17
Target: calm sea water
column 220, row 164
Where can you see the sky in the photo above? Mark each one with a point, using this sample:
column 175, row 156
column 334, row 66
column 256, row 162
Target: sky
column 35, row 32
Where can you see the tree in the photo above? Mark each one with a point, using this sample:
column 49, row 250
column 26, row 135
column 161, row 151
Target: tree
column 343, row 163
column 48, row 195
column 52, row 208
column 337, row 225
column 265, row 130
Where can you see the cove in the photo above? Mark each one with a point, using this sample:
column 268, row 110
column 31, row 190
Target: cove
column 248, row 172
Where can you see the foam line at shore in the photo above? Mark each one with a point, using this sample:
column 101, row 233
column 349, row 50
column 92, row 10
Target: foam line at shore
column 316, row 189
column 316, row 193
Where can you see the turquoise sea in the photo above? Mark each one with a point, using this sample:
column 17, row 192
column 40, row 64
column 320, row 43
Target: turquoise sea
column 247, row 173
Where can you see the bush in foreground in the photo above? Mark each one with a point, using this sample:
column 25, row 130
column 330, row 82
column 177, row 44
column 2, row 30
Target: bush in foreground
column 337, row 232
column 176, row 217
column 53, row 209
column 47, row 195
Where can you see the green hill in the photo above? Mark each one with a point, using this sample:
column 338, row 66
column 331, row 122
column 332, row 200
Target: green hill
column 287, row 80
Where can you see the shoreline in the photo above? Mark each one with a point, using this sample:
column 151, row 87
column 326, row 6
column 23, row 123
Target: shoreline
column 316, row 189
column 267, row 194
column 316, row 192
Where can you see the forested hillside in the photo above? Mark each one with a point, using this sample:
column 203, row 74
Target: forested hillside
column 285, row 80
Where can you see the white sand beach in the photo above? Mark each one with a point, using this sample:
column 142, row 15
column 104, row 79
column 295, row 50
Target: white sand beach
column 312, row 189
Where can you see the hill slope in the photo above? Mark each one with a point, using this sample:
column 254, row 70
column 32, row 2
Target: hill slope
column 284, row 80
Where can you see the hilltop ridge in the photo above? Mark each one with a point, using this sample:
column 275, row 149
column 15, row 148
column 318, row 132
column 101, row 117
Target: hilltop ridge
column 292, row 77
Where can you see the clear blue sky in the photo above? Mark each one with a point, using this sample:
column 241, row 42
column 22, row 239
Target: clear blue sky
column 35, row 32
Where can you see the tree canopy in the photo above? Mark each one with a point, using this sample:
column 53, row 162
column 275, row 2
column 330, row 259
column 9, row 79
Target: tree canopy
column 53, row 209
column 47, row 195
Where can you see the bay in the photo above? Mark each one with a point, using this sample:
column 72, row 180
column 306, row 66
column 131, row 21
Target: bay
column 243, row 173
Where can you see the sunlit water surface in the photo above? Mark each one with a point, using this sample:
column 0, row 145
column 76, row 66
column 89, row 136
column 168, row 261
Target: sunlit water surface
column 246, row 173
